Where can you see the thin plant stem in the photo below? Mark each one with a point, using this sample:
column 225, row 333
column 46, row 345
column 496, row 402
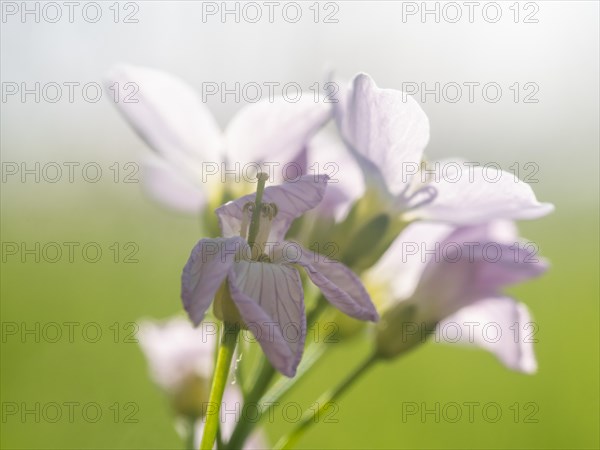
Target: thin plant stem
column 262, row 381
column 226, row 351
column 284, row 385
column 310, row 416
column 244, row 427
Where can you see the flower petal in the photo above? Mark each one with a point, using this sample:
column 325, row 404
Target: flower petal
column 204, row 272
column 175, row 351
column 470, row 264
column 270, row 299
column 327, row 154
column 499, row 325
column 337, row 282
column 479, row 194
column 292, row 198
column 274, row 131
column 384, row 126
column 167, row 186
column 403, row 263
column 168, row 115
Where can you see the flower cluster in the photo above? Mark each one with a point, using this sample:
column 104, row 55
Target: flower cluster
column 382, row 195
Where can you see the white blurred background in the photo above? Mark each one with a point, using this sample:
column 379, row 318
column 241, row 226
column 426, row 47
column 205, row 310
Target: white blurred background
column 389, row 40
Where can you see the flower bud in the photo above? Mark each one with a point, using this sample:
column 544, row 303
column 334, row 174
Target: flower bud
column 338, row 327
column 180, row 360
column 366, row 238
column 191, row 396
column 400, row 330
column 370, row 227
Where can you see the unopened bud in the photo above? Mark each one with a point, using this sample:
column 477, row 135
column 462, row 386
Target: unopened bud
column 190, row 397
column 400, row 330
column 338, row 327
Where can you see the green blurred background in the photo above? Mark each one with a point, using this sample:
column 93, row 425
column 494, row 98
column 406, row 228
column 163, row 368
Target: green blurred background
column 560, row 133
column 564, row 304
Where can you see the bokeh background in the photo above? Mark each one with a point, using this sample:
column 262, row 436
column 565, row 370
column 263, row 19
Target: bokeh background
column 559, row 53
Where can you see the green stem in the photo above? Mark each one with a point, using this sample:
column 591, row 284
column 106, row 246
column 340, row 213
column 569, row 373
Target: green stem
column 255, row 221
column 312, row 316
column 226, row 351
column 261, row 370
column 310, row 417
column 262, row 380
column 244, row 426
column 283, row 385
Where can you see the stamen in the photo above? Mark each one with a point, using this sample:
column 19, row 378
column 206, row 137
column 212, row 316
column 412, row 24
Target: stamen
column 269, row 211
column 246, row 214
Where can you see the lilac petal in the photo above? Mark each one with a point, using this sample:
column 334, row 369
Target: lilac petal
column 384, row 126
column 403, row 263
column 505, row 258
column 167, row 186
column 270, row 299
column 204, row 272
column 337, row 282
column 273, row 131
column 471, row 264
column 499, row 325
column 480, row 194
column 297, row 167
column 175, row 351
column 327, row 154
column 168, row 115
column 292, row 198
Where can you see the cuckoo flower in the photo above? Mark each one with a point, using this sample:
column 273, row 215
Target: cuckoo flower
column 326, row 154
column 387, row 131
column 251, row 272
column 181, row 361
column 448, row 282
column 190, row 150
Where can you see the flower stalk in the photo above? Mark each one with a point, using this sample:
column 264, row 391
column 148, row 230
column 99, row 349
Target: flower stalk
column 310, row 417
column 259, row 392
column 244, row 426
column 224, row 358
